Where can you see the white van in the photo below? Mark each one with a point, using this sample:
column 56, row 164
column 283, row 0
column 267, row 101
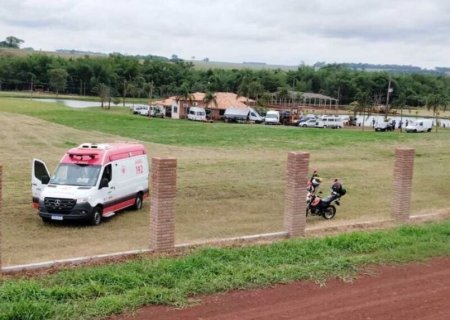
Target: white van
column 420, row 125
column 197, row 114
column 334, row 122
column 242, row 115
column 90, row 182
column 272, row 117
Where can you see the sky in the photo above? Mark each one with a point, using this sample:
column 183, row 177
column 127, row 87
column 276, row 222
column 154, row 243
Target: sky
column 284, row 32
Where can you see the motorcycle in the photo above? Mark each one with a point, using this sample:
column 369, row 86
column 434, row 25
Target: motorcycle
column 322, row 207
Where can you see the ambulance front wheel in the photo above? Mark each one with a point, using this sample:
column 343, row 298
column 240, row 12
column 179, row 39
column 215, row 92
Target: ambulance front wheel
column 96, row 216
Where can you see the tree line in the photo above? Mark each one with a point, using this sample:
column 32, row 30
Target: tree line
column 127, row 76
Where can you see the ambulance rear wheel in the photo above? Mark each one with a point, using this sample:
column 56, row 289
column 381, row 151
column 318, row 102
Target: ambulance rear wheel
column 96, row 216
column 138, row 202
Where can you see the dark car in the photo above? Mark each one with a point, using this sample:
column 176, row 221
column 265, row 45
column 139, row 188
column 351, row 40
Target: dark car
column 384, row 126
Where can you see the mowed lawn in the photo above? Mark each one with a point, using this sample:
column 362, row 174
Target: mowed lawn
column 231, row 178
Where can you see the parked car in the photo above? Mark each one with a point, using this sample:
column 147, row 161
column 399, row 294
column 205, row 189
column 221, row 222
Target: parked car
column 311, row 123
column 305, row 118
column 140, row 109
column 384, row 126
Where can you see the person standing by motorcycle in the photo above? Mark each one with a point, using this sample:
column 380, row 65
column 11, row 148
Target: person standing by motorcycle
column 338, row 188
column 313, row 183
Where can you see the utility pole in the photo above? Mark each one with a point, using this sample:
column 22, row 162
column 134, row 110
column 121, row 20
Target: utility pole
column 337, row 101
column 31, row 88
column 151, row 91
column 401, row 117
column 389, row 90
column 124, row 91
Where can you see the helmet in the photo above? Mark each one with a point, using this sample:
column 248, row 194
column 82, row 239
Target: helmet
column 316, row 181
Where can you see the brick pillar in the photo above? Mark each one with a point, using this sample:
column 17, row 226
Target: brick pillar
column 162, row 207
column 295, row 198
column 403, row 174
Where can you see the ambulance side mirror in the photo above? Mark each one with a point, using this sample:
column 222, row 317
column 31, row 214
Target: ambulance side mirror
column 45, row 179
column 104, row 183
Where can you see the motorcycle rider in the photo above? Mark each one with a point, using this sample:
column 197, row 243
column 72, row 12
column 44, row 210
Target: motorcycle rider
column 337, row 188
column 313, row 183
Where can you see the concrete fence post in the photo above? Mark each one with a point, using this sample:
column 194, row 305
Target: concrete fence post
column 403, row 174
column 295, row 198
column 162, row 207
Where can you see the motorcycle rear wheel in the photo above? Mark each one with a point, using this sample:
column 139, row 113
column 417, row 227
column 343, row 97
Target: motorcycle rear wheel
column 329, row 212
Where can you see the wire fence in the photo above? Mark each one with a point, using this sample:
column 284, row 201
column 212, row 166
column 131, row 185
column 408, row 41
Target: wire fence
column 202, row 211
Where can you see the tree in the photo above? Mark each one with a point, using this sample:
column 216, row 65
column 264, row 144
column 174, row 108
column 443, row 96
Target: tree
column 400, row 102
column 104, row 93
column 58, row 79
column 185, row 95
column 283, row 95
column 11, row 42
column 435, row 102
column 363, row 100
column 132, row 89
column 255, row 89
column 210, row 99
column 149, row 87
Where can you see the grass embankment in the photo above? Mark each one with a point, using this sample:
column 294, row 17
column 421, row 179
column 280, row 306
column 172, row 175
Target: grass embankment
column 90, row 292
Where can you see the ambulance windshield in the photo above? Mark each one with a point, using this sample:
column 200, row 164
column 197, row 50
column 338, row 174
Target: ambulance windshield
column 75, row 175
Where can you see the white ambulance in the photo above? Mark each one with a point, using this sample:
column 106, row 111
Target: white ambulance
column 91, row 181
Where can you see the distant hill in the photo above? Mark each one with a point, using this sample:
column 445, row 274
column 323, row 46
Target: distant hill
column 207, row 64
column 70, row 53
column 393, row 68
column 80, row 53
column 201, row 64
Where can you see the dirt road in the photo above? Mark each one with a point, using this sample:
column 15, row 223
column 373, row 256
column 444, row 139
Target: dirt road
column 415, row 291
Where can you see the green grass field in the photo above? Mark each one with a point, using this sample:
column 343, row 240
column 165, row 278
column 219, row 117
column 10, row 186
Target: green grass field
column 120, row 121
column 95, row 292
column 231, row 178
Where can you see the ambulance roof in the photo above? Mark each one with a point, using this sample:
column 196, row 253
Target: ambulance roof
column 103, row 153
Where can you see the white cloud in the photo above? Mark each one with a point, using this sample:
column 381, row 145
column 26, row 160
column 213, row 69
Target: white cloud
column 281, row 32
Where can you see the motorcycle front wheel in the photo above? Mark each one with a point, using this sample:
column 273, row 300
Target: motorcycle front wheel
column 329, row 212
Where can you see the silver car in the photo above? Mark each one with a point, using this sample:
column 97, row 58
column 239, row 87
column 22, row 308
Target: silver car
column 311, row 123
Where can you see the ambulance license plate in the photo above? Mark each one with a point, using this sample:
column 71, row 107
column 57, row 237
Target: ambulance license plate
column 59, row 218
